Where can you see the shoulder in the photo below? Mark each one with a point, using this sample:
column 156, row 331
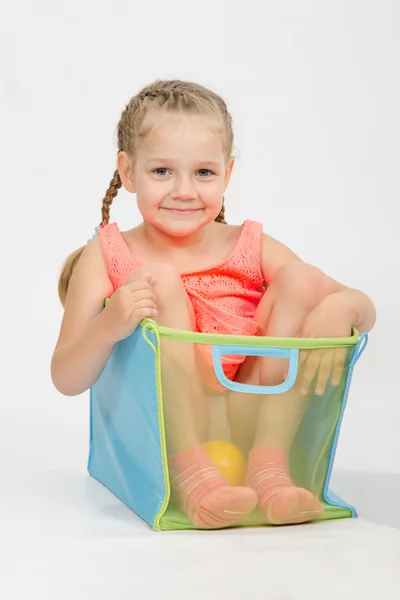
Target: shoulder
column 91, row 268
column 108, row 233
column 115, row 243
column 253, row 229
column 92, row 250
column 88, row 287
column 274, row 254
column 112, row 234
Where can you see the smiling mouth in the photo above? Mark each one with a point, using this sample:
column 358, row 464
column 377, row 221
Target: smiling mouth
column 182, row 210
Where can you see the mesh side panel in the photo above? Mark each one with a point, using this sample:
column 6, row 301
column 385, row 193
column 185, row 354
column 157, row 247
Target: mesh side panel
column 199, row 409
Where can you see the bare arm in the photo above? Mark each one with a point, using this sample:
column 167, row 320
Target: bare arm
column 361, row 310
column 83, row 347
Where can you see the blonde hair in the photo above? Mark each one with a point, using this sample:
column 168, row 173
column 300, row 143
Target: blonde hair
column 182, row 96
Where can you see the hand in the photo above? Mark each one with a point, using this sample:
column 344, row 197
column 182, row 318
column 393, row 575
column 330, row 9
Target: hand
column 333, row 317
column 128, row 306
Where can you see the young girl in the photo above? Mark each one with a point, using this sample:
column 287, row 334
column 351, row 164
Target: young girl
column 186, row 268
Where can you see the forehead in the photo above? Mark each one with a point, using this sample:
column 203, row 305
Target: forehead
column 169, row 133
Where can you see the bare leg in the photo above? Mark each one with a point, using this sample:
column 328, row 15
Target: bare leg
column 204, row 495
column 296, row 290
column 274, row 420
column 185, row 404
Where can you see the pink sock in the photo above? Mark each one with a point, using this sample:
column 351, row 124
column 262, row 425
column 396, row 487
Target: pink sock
column 204, row 494
column 279, row 499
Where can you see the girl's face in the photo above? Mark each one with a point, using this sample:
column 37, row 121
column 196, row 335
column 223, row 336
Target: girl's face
column 180, row 173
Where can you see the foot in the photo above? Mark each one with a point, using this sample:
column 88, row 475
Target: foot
column 280, row 500
column 204, row 494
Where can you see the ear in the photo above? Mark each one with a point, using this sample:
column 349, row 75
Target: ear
column 125, row 169
column 228, row 171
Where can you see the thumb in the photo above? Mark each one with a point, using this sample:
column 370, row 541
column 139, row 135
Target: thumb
column 134, row 276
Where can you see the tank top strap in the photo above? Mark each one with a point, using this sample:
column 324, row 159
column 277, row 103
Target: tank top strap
column 247, row 255
column 251, row 235
column 119, row 258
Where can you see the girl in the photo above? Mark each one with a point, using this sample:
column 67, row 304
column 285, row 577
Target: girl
column 186, row 268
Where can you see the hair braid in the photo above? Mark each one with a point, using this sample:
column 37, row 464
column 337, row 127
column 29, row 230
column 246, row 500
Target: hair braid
column 221, row 216
column 112, row 191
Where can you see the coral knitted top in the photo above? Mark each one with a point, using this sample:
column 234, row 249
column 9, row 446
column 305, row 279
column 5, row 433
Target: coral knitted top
column 224, row 296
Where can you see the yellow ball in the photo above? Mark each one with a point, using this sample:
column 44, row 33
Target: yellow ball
column 228, row 459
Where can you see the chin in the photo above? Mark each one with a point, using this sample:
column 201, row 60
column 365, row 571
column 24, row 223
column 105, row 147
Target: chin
column 181, row 228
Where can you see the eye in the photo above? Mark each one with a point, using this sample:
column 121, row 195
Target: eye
column 161, row 171
column 205, row 172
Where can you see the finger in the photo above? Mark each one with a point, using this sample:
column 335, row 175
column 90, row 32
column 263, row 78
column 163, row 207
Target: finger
column 143, row 313
column 325, row 368
column 144, row 303
column 139, row 281
column 144, row 308
column 303, row 357
column 140, row 286
column 309, row 370
column 129, row 297
column 142, row 294
column 137, row 276
column 338, row 366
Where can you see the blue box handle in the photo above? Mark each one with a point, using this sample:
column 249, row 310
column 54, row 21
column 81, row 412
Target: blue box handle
column 292, row 354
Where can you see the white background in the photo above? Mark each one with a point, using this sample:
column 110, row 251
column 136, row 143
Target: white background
column 314, row 93
column 313, row 89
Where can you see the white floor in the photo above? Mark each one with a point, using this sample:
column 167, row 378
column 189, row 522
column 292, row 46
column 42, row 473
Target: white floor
column 63, row 536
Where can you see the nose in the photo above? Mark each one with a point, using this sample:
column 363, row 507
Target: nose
column 184, row 189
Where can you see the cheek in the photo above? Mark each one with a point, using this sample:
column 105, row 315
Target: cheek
column 148, row 194
column 212, row 195
column 147, row 203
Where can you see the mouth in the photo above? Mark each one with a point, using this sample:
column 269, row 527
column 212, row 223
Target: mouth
column 182, row 211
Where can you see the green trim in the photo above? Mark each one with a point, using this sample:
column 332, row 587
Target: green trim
column 175, row 520
column 151, row 326
column 253, row 341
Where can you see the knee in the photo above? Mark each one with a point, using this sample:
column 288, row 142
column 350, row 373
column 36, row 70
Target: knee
column 165, row 278
column 303, row 283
